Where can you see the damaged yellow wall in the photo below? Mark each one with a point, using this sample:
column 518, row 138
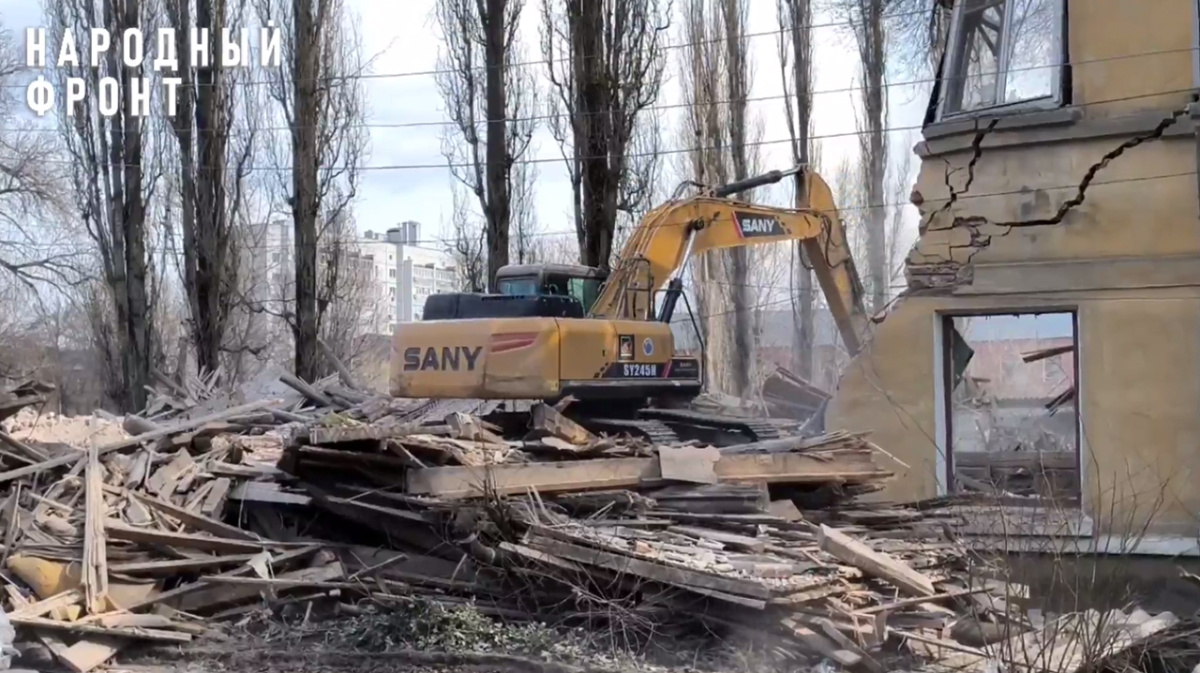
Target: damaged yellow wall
column 1123, row 258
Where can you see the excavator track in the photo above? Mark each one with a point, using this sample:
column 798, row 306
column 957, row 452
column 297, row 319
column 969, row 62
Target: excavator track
column 751, row 429
column 651, row 430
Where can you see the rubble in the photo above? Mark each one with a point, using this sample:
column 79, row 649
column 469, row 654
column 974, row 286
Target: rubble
column 320, row 493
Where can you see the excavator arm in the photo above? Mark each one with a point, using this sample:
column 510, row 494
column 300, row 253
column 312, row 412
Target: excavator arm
column 659, row 249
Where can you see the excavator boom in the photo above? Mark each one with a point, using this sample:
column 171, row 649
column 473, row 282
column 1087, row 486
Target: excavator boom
column 674, row 232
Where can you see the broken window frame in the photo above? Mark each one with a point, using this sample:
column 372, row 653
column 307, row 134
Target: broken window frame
column 953, row 80
column 945, row 393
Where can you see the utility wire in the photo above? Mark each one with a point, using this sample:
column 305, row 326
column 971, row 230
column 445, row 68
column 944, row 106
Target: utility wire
column 676, row 106
column 541, row 62
column 982, row 114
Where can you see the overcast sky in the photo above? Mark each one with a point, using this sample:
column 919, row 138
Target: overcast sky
column 403, row 37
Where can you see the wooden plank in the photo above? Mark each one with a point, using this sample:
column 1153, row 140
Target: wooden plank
column 821, row 644
column 95, row 563
column 220, row 595
column 28, row 453
column 855, row 553
column 45, row 606
column 38, row 468
column 267, row 492
column 302, row 387
column 188, row 589
column 546, row 419
column 688, row 464
column 176, row 566
column 94, row 630
column 731, row 540
column 614, row 473
column 81, row 657
column 181, row 426
column 675, row 576
column 214, row 502
column 196, row 521
column 119, row 531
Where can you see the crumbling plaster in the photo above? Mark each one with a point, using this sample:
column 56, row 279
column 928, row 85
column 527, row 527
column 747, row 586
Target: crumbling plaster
column 1091, row 207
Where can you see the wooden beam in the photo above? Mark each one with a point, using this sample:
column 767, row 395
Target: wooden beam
column 95, row 546
column 187, row 589
column 612, row 473
column 196, row 521
column 547, row 541
column 871, row 562
column 223, row 594
column 548, row 420
column 119, row 531
column 89, row 629
column 177, row 566
column 294, row 382
column 182, row 426
column 64, row 459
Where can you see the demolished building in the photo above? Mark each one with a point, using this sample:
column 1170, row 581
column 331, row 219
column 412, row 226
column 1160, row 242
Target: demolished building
column 1058, row 201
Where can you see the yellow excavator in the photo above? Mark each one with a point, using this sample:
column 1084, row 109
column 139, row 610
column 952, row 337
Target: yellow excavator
column 554, row 330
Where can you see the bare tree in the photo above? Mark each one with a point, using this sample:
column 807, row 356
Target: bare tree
column 467, row 245
column 31, row 191
column 851, row 185
column 738, row 75
column 605, row 60
column 113, row 179
column 525, row 226
column 702, row 60
column 346, row 292
column 889, row 35
column 716, row 79
column 320, row 97
column 215, row 135
column 795, row 62
column 482, row 87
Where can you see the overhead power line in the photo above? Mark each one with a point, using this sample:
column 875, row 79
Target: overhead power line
column 545, row 62
column 698, row 148
column 434, row 123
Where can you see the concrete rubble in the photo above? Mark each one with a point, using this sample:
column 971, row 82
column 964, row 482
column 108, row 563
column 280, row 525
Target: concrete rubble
column 204, row 508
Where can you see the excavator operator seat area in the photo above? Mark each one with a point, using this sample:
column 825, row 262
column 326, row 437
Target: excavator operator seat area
column 581, row 283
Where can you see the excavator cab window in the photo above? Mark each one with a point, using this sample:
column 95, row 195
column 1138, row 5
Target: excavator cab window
column 585, row 290
column 519, row 287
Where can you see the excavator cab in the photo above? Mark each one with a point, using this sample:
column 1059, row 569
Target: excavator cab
column 579, row 282
column 525, row 291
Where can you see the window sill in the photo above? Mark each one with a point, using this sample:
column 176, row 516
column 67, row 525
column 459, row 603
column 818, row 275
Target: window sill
column 1039, row 128
column 1011, row 118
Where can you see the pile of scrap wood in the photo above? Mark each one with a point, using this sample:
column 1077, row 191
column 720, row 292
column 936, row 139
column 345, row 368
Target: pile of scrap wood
column 334, row 495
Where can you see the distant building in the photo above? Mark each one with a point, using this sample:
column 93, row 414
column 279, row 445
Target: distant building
column 406, row 272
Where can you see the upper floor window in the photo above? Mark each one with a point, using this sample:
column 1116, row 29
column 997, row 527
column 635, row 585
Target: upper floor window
column 1003, row 53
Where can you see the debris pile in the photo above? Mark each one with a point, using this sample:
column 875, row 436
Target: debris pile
column 319, row 493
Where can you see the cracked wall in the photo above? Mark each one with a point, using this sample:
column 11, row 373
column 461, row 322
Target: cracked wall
column 1090, row 207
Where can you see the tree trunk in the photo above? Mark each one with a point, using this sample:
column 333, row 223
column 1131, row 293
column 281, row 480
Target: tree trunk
column 134, row 221
column 210, row 214
column 876, row 159
column 593, row 106
column 497, row 168
column 304, row 187
column 801, row 35
column 737, row 75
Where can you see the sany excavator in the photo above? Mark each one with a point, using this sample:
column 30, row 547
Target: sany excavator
column 562, row 330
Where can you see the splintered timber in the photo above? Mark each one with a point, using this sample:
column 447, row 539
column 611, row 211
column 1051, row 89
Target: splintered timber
column 233, row 49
